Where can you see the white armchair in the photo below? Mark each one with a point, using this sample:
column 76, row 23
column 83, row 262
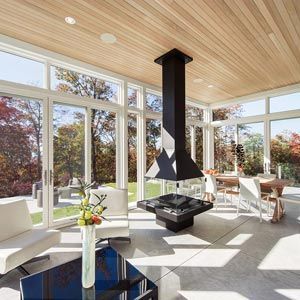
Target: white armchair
column 20, row 242
column 117, row 226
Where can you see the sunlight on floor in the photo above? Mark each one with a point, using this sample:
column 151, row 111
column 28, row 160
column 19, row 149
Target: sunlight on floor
column 212, row 258
column 225, row 216
column 144, row 225
column 293, row 294
column 212, row 295
column 285, row 255
column 185, row 239
column 172, row 260
column 228, row 213
column 239, row 239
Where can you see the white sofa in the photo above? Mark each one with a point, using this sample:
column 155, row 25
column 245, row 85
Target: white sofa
column 117, row 213
column 20, row 242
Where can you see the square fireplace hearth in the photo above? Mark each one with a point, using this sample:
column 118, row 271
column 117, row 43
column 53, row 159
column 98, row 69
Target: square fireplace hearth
column 174, row 211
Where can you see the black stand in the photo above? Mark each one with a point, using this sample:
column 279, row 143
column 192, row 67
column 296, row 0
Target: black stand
column 174, row 226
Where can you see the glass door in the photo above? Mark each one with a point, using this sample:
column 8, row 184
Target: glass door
column 23, row 154
column 285, row 150
column 67, row 160
column 103, row 147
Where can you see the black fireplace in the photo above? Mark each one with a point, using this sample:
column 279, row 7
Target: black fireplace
column 173, row 210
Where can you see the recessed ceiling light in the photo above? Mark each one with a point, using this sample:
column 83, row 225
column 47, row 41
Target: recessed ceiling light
column 108, row 38
column 210, row 86
column 70, row 20
column 198, row 80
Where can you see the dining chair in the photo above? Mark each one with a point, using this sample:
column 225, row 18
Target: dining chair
column 273, row 197
column 197, row 186
column 212, row 188
column 290, row 198
column 250, row 191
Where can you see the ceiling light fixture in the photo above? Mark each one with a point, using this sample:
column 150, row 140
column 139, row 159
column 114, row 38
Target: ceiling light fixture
column 210, row 86
column 70, row 20
column 198, row 80
column 108, row 38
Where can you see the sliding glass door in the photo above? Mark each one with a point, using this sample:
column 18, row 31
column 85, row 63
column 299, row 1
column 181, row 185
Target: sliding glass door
column 103, row 147
column 67, row 160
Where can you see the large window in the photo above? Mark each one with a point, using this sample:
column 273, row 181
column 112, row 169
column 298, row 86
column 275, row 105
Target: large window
column 188, row 139
column 132, row 157
column 224, row 159
column 251, row 136
column 285, row 103
column 248, row 109
column 75, row 83
column 21, row 153
column 132, row 96
column 285, row 149
column 193, row 113
column 153, row 102
column 68, row 158
column 21, row 70
column 153, row 146
column 103, row 147
column 199, row 146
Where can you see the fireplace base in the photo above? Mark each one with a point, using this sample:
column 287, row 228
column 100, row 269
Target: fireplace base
column 175, row 212
column 174, row 226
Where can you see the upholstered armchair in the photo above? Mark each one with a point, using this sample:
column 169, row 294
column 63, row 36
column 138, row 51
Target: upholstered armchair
column 117, row 226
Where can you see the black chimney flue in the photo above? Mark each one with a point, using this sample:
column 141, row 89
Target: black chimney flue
column 174, row 163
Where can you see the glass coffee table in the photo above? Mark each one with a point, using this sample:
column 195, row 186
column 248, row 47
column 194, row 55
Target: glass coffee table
column 115, row 279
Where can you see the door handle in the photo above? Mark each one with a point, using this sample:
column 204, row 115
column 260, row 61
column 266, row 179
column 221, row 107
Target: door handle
column 45, row 177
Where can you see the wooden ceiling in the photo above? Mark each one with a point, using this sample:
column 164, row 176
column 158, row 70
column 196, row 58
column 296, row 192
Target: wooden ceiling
column 239, row 46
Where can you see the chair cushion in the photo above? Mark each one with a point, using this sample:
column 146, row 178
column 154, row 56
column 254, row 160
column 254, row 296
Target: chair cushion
column 116, row 200
column 116, row 226
column 14, row 219
column 23, row 247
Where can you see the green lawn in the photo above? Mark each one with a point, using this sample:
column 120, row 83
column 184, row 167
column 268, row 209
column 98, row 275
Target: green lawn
column 152, row 189
column 59, row 213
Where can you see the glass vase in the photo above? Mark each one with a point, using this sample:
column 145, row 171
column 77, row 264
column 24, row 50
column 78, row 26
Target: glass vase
column 88, row 255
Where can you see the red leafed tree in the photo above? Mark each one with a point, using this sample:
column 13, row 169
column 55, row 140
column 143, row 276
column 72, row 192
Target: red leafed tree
column 295, row 146
column 15, row 149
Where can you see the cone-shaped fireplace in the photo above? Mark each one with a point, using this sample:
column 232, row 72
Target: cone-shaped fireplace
column 174, row 211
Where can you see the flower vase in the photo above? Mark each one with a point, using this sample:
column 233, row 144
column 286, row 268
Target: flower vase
column 88, row 255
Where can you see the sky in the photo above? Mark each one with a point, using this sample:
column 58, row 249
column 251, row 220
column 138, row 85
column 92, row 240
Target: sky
column 26, row 71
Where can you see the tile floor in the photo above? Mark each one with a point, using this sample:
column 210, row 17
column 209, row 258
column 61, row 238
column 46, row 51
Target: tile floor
column 223, row 256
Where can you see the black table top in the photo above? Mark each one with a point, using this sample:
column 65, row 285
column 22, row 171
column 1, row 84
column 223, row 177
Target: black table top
column 114, row 276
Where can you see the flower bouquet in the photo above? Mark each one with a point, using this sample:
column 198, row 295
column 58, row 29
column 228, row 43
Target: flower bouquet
column 90, row 215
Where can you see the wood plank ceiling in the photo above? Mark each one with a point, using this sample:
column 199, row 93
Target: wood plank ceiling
column 239, row 46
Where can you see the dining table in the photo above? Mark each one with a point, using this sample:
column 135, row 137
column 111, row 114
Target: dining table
column 274, row 186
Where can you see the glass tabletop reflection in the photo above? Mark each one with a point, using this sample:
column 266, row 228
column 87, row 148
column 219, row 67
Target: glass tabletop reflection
column 115, row 279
